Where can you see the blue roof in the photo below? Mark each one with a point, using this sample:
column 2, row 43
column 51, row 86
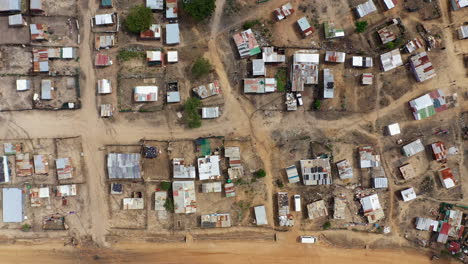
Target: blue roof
column 12, row 205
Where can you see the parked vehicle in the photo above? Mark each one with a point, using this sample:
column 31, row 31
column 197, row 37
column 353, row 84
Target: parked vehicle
column 308, row 239
column 297, row 202
column 299, row 99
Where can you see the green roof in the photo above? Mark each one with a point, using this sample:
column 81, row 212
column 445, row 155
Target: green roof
column 106, row 2
column 427, row 112
column 255, row 51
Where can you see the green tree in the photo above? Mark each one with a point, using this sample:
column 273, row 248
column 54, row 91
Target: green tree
column 361, row 26
column 390, row 45
column 139, row 19
column 260, row 173
column 169, row 204
column 326, row 225
column 201, row 67
column 192, row 116
column 165, row 186
column 250, row 24
column 199, row 9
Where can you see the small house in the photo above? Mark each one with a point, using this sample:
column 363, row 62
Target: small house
column 393, row 129
column 145, row 93
column 35, row 6
column 317, row 209
column 283, row 12
column 205, row 91
column 428, row 104
column 408, row 194
column 40, row 60
column 331, row 31
column 124, row 166
column 446, row 178
column 10, row 6
column 133, row 203
column 328, row 84
column 104, row 19
column 457, row 4
column 215, row 220
column 184, row 197
column 104, row 41
column 380, row 183
column 23, row 165
column 23, row 85
column 316, row 171
column 66, row 190
column 107, row 110
column 46, row 90
column 229, row 190
column 104, row 86
column 260, row 215
column 426, row 224
column 172, row 93
column 181, row 170
column 389, row 4
column 246, row 43
column 155, row 4
column 391, row 60
column 367, row 78
column 413, row 45
column 211, row 187
column 463, row 32
column 304, row 69
column 37, row 195
column 13, row 205
column 154, row 58
column 422, row 67
column 413, row 148
column 39, row 32
column 305, row 27
column 345, row 169
column 258, row 67
column 365, row 8
column 368, row 158
column 386, row 35
column 210, row 112
column 64, row 168
column 172, row 34
column 209, row 168
column 260, row 85
column 16, row 21
column 407, row 171
column 172, row 56
column 362, row 62
column 293, row 174
column 171, row 9
column 154, row 32
column 372, row 208
column 41, row 164
column 102, row 60
column 335, row 56
column 273, row 55
column 439, row 151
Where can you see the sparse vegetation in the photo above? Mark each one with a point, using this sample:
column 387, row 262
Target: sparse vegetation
column 241, row 207
column 165, row 186
column 326, row 225
column 201, row 67
column 390, row 45
column 139, row 19
column 279, row 183
column 26, row 227
column 427, row 185
column 126, row 55
column 317, row 104
column 192, row 115
column 281, row 79
column 199, row 9
column 251, row 24
column 361, row 26
column 260, row 173
column 169, row 204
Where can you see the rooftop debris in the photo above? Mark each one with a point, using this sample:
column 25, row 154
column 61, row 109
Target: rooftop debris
column 317, row 209
column 23, row 164
column 393, row 129
column 246, row 43
column 215, row 220
column 229, row 190
column 316, row 172
column 260, row 85
column 204, row 91
column 133, row 203
column 291, row 102
column 304, row 69
column 160, row 198
column 39, row 32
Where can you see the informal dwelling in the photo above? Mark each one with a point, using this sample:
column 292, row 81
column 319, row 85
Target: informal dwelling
column 13, row 205
column 260, row 85
column 184, row 197
column 246, row 43
column 422, row 67
column 316, row 172
column 145, row 94
column 208, row 168
column 372, row 208
column 123, row 166
column 304, row 69
column 428, row 104
column 328, row 84
column 172, row 34
column 305, row 27
column 413, row 148
column 391, row 60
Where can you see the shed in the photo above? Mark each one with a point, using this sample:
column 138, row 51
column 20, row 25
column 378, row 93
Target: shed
column 145, row 94
column 258, row 67
column 345, row 169
column 133, row 203
column 11, row 148
column 210, row 112
column 393, row 129
column 39, row 32
column 173, row 97
column 335, row 56
column 367, row 78
column 116, row 188
column 5, row 170
column 389, row 4
column 328, row 84
column 36, row 6
column 106, row 4
column 104, row 86
column 104, row 19
column 107, row 110
column 154, row 58
column 260, row 215
column 67, row 53
column 211, row 187
column 172, row 56
column 23, row 85
column 408, row 194
column 13, row 205
column 41, row 164
column 172, row 34
column 10, row 5
column 446, row 178
column 184, row 197
column 154, row 32
column 439, row 151
column 463, row 32
column 229, row 190
column 293, row 174
column 380, row 183
column 46, row 89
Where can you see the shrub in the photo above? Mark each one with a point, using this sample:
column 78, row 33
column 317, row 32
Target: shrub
column 199, row 9
column 165, row 186
column 361, row 26
column 279, row 183
column 169, row 204
column 192, row 116
column 139, row 19
column 390, row 45
column 25, row 227
column 281, row 79
column 326, row 225
column 317, row 104
column 201, row 67
column 250, row 24
column 260, row 173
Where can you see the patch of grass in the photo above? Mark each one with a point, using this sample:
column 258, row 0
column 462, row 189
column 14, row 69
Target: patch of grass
column 192, row 116
column 281, row 79
column 126, row 55
column 251, row 24
column 361, row 26
column 201, row 67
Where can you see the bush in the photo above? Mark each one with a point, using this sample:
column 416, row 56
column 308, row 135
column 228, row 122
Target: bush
column 192, row 116
column 390, row 45
column 361, row 26
column 199, row 9
column 260, row 173
column 326, row 225
column 165, row 186
column 281, row 79
column 279, row 183
column 139, row 19
column 250, row 24
column 169, row 204
column 25, row 227
column 201, row 67
column 317, row 104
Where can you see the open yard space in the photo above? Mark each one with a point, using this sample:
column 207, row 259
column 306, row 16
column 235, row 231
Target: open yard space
column 65, row 91
column 126, row 95
column 15, row 60
column 13, row 35
column 13, row 99
column 62, row 30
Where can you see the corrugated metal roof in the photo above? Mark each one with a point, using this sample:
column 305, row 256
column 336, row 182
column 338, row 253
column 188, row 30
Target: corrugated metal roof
column 172, row 34
column 46, row 89
column 146, row 94
column 155, row 4
column 366, row 8
column 13, row 204
column 380, row 183
column 124, row 166
column 390, row 60
column 10, row 5
column 413, row 148
column 260, row 215
column 184, row 197
column 210, row 112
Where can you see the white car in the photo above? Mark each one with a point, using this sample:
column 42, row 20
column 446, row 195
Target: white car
column 308, row 239
column 297, row 202
column 299, row 99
